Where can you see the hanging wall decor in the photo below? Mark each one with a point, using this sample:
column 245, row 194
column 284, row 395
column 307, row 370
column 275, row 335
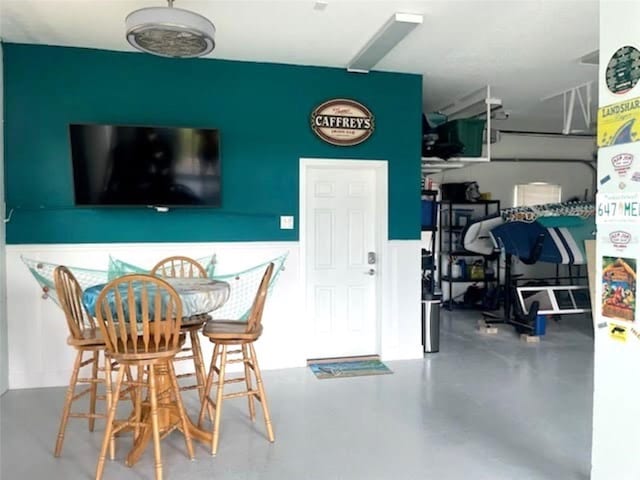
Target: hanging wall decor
column 623, row 70
column 342, row 122
column 619, row 123
column 619, row 288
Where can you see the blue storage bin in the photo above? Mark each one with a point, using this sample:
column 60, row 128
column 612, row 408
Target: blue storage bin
column 428, row 213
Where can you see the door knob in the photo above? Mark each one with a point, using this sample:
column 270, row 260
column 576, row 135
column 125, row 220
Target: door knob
column 371, row 272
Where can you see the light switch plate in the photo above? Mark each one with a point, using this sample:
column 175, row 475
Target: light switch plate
column 286, row 222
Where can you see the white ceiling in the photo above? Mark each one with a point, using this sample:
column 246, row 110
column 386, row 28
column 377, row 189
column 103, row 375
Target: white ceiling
column 525, row 49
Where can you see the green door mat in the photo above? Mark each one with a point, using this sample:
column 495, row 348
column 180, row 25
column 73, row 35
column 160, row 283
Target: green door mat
column 356, row 368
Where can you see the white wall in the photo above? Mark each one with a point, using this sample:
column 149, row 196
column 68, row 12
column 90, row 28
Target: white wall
column 616, row 424
column 543, row 146
column 4, row 368
column 500, row 178
column 39, row 356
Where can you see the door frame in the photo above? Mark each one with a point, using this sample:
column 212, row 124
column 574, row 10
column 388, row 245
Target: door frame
column 381, row 169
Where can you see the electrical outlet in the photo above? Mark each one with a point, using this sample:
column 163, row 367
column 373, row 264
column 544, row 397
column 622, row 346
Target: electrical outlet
column 286, row 222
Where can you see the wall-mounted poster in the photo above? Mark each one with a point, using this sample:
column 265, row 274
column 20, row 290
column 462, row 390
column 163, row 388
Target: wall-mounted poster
column 619, row 123
column 623, row 70
column 619, row 168
column 619, row 288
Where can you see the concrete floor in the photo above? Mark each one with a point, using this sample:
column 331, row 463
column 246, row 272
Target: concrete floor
column 484, row 408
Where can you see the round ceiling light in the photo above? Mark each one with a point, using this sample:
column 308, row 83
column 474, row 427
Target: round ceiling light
column 170, row 32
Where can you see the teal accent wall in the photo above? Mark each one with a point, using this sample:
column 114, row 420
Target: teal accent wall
column 4, row 330
column 262, row 111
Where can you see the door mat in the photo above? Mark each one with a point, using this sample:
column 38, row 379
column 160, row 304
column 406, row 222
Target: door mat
column 346, row 369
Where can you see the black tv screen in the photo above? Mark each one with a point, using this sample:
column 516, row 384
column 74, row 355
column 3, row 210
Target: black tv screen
column 157, row 166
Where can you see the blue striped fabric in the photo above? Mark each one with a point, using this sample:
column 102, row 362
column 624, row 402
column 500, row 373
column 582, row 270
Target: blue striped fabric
column 562, row 245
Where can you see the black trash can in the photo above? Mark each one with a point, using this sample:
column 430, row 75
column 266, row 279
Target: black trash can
column 431, row 323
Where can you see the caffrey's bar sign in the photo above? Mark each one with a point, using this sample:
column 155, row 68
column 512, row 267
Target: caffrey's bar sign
column 342, row 122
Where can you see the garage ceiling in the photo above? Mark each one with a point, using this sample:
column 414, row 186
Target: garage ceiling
column 525, row 49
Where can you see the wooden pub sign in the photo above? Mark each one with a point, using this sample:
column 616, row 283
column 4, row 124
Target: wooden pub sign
column 342, row 122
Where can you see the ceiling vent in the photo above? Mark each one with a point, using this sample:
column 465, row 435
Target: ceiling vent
column 170, row 32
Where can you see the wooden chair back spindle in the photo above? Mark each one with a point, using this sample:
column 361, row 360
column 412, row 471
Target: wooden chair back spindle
column 255, row 317
column 139, row 315
column 179, row 267
column 185, row 267
column 70, row 296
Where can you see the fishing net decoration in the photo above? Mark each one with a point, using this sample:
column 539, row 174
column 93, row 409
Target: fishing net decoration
column 244, row 284
column 118, row 268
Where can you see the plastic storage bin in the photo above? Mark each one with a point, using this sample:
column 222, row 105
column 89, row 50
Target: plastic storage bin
column 466, row 132
column 428, row 213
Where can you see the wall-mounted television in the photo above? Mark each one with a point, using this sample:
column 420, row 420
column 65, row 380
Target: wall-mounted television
column 118, row 165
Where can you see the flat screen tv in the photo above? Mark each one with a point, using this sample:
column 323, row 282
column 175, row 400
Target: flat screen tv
column 121, row 165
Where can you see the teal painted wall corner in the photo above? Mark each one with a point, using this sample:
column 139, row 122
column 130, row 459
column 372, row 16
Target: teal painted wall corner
column 261, row 110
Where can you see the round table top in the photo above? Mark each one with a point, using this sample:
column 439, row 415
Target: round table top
column 199, row 295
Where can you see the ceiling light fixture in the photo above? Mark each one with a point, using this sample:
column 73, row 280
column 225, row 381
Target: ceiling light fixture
column 170, row 32
column 391, row 33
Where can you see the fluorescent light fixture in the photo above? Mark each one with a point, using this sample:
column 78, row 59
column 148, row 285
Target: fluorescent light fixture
column 475, row 104
column 391, row 33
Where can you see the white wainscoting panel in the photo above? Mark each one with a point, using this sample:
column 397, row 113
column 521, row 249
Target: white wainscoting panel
column 401, row 313
column 39, row 356
column 38, row 353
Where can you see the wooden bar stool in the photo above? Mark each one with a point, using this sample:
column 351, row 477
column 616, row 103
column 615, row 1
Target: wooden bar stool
column 140, row 317
column 185, row 267
column 242, row 334
column 85, row 337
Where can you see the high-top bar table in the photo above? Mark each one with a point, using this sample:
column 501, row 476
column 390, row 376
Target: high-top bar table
column 199, row 297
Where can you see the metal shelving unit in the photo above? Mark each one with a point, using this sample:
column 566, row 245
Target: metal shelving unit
column 429, row 265
column 449, row 248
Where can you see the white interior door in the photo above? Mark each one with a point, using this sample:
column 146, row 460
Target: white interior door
column 341, row 246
